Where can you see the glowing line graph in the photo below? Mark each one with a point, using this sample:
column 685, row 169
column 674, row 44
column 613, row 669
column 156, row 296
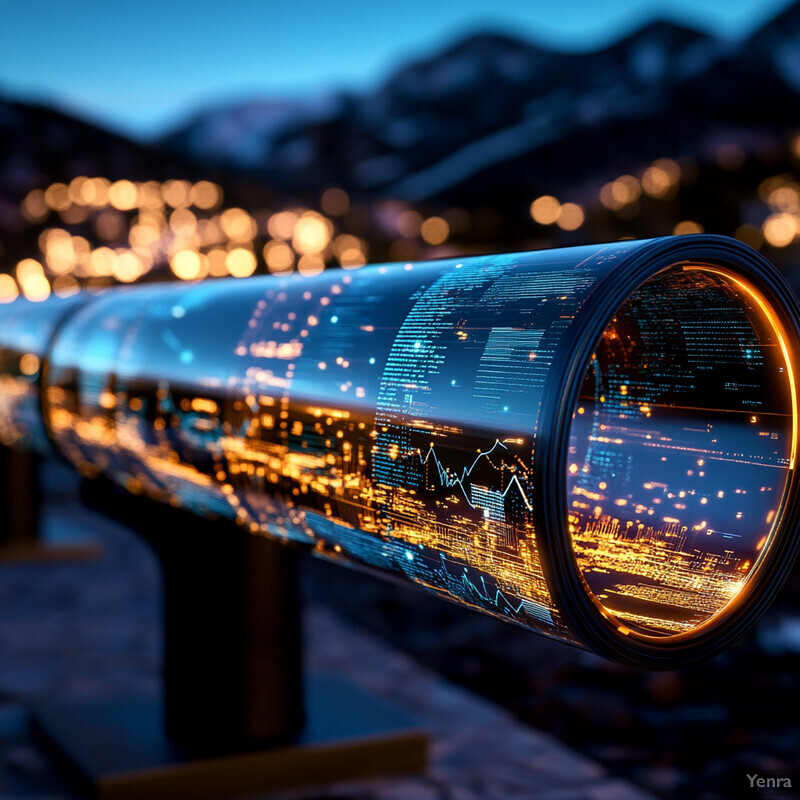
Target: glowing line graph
column 500, row 598
column 447, row 480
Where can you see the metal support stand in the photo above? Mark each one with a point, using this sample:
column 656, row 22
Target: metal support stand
column 22, row 537
column 232, row 636
column 237, row 714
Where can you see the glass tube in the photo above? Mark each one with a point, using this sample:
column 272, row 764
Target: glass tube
column 681, row 450
column 26, row 330
column 425, row 420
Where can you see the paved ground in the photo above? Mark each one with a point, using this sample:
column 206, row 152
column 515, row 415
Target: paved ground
column 90, row 630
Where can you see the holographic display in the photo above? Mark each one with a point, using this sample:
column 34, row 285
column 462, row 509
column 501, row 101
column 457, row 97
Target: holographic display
column 540, row 436
column 680, row 450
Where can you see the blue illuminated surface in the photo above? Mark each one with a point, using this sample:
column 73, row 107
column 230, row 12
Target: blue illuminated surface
column 388, row 417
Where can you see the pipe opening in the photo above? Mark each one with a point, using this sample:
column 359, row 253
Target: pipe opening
column 681, row 449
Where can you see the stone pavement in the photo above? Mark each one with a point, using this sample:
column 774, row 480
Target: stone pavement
column 91, row 629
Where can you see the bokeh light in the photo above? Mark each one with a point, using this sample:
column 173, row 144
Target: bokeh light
column 545, row 209
column 435, row 230
column 8, row 289
column 278, row 256
column 570, row 217
column 186, row 265
column 335, row 202
column 123, row 195
column 206, row 195
column 241, row 263
column 780, row 229
column 687, row 226
column 176, row 193
column 311, row 234
column 32, row 280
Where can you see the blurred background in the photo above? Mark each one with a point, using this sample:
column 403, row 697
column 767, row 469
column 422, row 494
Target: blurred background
column 162, row 141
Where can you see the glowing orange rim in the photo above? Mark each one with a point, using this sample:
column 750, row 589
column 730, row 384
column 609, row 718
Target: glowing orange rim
column 777, row 327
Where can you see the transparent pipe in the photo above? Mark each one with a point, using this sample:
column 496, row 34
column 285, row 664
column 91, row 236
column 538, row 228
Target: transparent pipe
column 596, row 443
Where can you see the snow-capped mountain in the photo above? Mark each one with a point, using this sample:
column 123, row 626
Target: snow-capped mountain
column 492, row 111
column 489, row 120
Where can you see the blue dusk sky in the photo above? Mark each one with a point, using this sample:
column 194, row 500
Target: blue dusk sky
column 140, row 68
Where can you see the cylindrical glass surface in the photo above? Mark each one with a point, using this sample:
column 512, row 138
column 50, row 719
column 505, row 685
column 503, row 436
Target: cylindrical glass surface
column 26, row 330
column 542, row 436
column 681, row 449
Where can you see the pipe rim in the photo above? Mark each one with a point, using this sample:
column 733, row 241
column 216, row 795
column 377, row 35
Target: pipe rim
column 581, row 611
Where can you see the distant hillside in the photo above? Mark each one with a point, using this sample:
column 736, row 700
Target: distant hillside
column 491, row 112
column 473, row 133
column 36, row 142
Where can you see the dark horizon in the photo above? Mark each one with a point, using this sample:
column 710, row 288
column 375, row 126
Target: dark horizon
column 83, row 67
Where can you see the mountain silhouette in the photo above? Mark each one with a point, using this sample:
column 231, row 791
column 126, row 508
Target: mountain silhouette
column 488, row 120
column 491, row 111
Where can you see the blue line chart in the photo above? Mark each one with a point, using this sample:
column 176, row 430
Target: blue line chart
column 447, row 479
